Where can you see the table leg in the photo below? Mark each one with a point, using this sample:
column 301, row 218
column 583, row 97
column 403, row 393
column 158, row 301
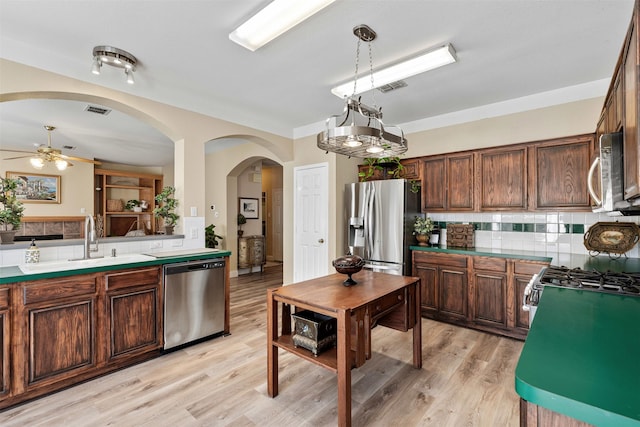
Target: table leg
column 272, row 350
column 417, row 329
column 344, row 367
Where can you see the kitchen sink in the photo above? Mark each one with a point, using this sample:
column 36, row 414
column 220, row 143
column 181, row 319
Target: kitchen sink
column 49, row 266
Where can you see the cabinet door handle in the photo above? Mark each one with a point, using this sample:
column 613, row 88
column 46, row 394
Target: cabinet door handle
column 320, row 240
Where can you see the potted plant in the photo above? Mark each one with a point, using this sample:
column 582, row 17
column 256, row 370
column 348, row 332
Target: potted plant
column 241, row 221
column 167, row 204
column 133, row 205
column 421, row 229
column 11, row 209
column 390, row 167
column 210, row 237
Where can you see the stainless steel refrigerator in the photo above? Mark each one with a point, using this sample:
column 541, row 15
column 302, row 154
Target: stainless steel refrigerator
column 379, row 218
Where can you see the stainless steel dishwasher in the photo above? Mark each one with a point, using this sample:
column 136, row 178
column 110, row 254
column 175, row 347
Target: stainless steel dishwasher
column 194, row 295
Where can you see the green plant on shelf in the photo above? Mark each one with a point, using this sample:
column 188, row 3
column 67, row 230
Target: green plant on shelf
column 132, row 204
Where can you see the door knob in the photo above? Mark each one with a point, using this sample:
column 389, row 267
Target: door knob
column 320, row 240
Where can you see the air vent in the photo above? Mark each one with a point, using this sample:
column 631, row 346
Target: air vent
column 392, row 86
column 98, row 110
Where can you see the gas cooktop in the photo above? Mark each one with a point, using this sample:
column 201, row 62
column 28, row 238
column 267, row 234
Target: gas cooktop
column 621, row 283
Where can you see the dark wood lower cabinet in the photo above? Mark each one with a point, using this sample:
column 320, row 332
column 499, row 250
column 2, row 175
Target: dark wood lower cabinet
column 68, row 330
column 5, row 341
column 133, row 306
column 532, row 415
column 443, row 281
column 479, row 292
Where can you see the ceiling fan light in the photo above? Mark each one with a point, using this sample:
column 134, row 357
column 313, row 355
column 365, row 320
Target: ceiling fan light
column 61, row 164
column 37, row 162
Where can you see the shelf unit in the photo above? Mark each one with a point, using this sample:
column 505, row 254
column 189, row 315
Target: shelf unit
column 122, row 185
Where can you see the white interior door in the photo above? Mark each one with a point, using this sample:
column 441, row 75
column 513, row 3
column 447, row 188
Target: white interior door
column 277, row 224
column 311, row 213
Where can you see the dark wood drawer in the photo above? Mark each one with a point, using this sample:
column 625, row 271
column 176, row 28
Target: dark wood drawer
column 127, row 279
column 386, row 303
column 47, row 290
column 441, row 259
column 490, row 264
column 528, row 268
column 4, row 298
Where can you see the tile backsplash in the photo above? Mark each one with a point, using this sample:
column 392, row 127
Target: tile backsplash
column 561, row 232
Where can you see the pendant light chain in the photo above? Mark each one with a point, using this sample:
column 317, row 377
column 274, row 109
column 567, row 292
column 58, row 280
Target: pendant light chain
column 373, row 92
column 355, row 78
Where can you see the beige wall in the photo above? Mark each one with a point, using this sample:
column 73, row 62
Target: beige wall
column 190, row 131
column 76, row 184
column 552, row 122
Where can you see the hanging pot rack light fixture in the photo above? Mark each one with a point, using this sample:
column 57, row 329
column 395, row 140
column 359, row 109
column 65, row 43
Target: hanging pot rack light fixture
column 361, row 132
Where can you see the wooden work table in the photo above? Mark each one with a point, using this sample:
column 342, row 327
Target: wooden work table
column 377, row 299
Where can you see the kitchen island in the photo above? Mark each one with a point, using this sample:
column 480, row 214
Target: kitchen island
column 580, row 360
column 63, row 322
column 377, row 299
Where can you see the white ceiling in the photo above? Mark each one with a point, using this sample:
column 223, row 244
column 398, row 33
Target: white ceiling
column 507, row 49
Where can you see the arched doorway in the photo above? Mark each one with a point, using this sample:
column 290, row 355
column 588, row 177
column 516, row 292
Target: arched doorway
column 235, row 169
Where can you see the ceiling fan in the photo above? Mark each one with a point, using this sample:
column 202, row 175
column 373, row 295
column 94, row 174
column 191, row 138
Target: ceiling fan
column 47, row 154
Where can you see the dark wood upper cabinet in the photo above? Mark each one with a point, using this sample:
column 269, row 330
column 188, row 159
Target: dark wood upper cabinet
column 631, row 102
column 447, row 183
column 558, row 173
column 460, row 182
column 433, row 184
column 502, row 178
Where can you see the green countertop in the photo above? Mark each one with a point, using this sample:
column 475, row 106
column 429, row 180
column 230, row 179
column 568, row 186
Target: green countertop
column 12, row 274
column 586, row 262
column 582, row 357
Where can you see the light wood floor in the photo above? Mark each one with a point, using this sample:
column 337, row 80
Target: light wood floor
column 467, row 380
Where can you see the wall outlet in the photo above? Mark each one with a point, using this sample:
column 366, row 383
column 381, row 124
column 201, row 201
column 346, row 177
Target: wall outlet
column 194, row 233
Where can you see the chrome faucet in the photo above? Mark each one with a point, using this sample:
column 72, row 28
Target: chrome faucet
column 89, row 238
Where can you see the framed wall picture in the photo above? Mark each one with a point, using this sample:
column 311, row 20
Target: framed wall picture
column 36, row 188
column 248, row 208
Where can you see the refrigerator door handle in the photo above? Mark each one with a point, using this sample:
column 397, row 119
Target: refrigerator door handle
column 368, row 220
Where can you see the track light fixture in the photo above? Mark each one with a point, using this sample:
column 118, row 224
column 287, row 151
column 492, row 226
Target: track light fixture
column 116, row 58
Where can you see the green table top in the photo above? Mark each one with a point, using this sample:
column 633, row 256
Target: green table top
column 582, row 357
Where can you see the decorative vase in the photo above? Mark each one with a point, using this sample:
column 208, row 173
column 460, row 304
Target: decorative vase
column 168, row 230
column 349, row 265
column 7, row 236
column 423, row 239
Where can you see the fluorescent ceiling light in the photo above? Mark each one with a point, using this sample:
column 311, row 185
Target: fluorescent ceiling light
column 425, row 62
column 278, row 17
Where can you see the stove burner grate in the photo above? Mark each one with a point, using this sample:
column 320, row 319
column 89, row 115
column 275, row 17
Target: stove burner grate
column 624, row 283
